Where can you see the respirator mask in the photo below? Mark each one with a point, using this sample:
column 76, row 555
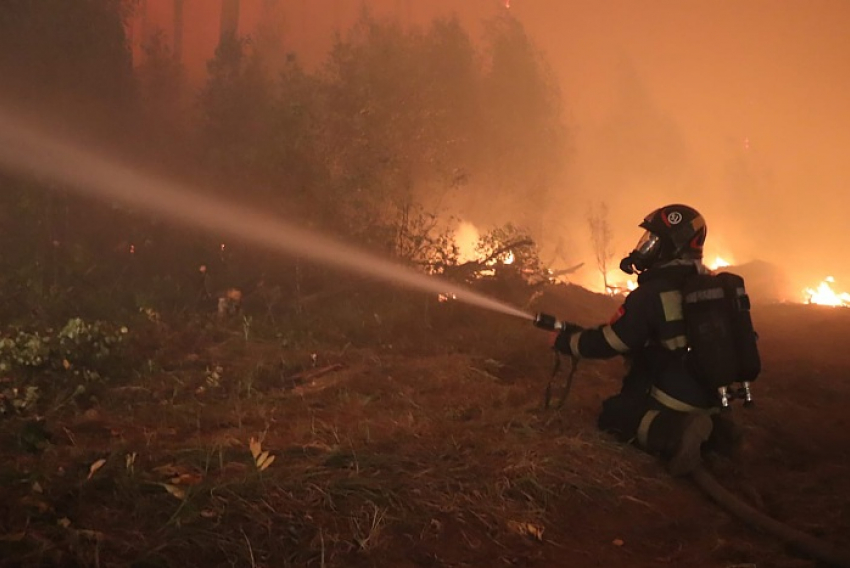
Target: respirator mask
column 643, row 256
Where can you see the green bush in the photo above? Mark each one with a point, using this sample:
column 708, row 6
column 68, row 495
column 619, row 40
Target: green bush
column 79, row 354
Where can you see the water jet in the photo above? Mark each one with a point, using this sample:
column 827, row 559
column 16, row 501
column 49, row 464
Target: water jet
column 33, row 151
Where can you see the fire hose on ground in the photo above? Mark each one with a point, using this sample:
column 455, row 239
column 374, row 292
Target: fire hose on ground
column 800, row 541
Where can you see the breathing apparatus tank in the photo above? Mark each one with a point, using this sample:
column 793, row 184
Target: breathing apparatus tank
column 722, row 343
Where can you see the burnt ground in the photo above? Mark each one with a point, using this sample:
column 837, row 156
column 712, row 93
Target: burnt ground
column 426, row 445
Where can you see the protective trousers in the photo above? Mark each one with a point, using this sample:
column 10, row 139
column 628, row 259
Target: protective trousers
column 675, row 436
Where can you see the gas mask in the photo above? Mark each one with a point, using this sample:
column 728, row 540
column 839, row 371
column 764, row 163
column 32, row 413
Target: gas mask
column 644, row 255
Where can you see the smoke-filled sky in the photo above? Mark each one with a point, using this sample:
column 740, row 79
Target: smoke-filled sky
column 738, row 108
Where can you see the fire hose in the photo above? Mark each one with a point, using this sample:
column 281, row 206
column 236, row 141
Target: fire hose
column 800, row 541
column 807, row 544
column 547, row 399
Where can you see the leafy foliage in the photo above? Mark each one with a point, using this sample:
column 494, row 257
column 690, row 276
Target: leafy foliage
column 234, row 106
column 389, row 126
column 78, row 354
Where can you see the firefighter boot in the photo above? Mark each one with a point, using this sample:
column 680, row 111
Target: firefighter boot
column 726, row 437
column 679, row 437
column 696, row 428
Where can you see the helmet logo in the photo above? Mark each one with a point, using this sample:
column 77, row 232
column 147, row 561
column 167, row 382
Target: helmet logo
column 674, row 217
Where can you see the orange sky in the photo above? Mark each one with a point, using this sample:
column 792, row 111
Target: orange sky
column 760, row 81
column 739, row 108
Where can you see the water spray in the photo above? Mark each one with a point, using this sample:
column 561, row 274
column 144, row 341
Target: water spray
column 35, row 152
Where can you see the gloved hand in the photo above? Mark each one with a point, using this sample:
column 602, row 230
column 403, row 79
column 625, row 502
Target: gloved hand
column 562, row 339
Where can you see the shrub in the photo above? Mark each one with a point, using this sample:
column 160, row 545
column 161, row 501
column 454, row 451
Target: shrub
column 79, row 354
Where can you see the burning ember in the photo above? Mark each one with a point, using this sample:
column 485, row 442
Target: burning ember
column 826, row 296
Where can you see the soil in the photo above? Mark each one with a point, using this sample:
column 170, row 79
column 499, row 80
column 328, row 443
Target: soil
column 425, row 446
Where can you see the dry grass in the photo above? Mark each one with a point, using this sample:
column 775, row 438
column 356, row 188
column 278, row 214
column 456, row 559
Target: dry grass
column 440, row 455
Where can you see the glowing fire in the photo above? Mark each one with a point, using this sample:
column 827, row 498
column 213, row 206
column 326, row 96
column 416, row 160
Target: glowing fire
column 719, row 262
column 466, row 239
column 826, row 296
column 622, row 288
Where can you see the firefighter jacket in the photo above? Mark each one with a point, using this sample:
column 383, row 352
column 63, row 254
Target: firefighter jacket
column 649, row 330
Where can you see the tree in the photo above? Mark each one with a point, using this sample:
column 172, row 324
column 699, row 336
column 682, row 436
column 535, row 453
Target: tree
column 72, row 56
column 70, row 61
column 234, row 108
column 397, row 104
column 523, row 143
column 162, row 86
column 600, row 238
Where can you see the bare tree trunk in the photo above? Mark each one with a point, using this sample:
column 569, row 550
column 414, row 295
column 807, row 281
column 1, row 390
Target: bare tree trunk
column 600, row 237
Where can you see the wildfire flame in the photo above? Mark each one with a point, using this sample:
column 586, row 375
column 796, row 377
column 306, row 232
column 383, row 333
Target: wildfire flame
column 826, row 296
column 719, row 262
column 466, row 239
column 621, row 288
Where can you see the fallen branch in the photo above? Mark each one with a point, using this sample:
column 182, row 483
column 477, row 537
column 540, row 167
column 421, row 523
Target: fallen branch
column 473, row 266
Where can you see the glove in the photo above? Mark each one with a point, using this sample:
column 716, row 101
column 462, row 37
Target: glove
column 562, row 339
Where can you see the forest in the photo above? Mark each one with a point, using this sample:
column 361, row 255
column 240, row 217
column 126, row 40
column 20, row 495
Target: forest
column 174, row 394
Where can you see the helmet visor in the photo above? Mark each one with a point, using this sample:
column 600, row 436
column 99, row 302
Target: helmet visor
column 648, row 245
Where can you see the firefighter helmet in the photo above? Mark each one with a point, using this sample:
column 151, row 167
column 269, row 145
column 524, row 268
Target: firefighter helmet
column 672, row 232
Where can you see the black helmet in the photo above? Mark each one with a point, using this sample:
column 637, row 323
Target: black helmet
column 672, row 232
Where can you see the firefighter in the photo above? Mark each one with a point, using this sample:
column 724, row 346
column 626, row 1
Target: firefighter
column 661, row 406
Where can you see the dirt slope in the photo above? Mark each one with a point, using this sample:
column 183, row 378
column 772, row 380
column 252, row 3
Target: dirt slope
column 428, row 453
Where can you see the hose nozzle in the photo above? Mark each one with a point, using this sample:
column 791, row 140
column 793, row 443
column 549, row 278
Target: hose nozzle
column 548, row 322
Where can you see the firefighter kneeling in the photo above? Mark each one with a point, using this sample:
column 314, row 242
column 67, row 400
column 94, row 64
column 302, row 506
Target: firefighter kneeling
column 688, row 338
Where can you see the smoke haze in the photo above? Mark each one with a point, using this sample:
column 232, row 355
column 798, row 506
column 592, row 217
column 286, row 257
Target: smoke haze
column 737, row 108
